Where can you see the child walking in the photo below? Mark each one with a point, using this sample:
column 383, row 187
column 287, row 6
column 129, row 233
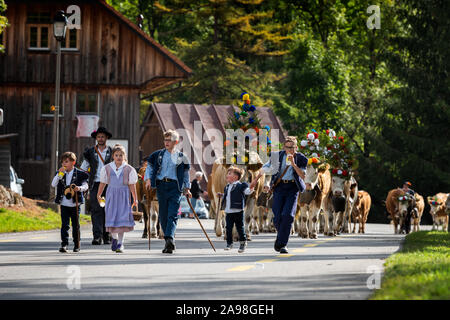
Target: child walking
column 233, row 203
column 121, row 179
column 70, row 182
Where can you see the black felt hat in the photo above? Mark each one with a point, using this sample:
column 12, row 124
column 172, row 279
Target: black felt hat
column 101, row 130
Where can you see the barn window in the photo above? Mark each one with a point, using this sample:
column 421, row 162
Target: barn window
column 87, row 103
column 38, row 28
column 47, row 101
column 72, row 40
column 38, row 37
column 39, row 17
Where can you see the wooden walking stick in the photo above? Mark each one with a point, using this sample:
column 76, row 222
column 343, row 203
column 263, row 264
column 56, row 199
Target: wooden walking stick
column 196, row 217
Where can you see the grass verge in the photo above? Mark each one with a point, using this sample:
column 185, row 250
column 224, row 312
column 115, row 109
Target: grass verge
column 16, row 221
column 420, row 271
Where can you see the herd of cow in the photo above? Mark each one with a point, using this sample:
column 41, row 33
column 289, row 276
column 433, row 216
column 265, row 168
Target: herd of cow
column 328, row 205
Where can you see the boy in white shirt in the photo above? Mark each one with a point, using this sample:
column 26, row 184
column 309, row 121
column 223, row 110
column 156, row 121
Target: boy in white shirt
column 70, row 183
column 233, row 203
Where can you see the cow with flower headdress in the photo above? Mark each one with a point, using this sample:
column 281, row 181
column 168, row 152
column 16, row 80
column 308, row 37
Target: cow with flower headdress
column 344, row 187
column 318, row 181
column 401, row 206
column 240, row 150
column 438, row 210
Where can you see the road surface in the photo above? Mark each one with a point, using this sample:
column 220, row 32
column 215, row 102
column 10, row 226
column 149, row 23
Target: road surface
column 326, row 268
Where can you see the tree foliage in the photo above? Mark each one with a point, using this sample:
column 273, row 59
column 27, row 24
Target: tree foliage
column 3, row 21
column 319, row 66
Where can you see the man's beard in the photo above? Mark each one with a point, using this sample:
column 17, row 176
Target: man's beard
column 101, row 144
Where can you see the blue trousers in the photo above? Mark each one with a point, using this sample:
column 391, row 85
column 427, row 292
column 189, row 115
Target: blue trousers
column 169, row 202
column 284, row 207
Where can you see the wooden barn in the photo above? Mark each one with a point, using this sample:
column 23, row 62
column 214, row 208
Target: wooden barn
column 185, row 117
column 106, row 65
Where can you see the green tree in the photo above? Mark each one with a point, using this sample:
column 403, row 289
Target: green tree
column 3, row 21
column 229, row 34
column 415, row 130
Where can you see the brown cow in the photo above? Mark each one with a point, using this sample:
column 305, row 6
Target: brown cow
column 417, row 211
column 361, row 211
column 218, row 178
column 149, row 201
column 312, row 201
column 212, row 207
column 447, row 204
column 438, row 210
column 399, row 204
column 340, row 203
column 264, row 208
column 218, row 183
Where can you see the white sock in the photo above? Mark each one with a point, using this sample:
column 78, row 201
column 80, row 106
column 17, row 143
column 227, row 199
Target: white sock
column 115, row 235
column 121, row 236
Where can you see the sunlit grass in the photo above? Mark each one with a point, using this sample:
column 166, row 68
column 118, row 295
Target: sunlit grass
column 13, row 221
column 421, row 270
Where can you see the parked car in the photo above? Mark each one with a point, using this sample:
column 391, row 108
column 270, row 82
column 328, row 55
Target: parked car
column 200, row 209
column 16, row 182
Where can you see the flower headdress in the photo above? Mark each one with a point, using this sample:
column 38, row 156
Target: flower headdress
column 339, row 154
column 313, row 149
column 247, row 119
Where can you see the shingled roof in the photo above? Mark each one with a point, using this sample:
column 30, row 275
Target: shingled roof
column 183, row 116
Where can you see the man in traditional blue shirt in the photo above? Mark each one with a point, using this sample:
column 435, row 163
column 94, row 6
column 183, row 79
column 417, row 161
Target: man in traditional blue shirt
column 290, row 166
column 168, row 172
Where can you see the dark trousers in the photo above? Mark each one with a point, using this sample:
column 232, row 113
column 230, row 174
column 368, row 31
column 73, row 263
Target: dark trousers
column 407, row 223
column 67, row 214
column 169, row 203
column 284, row 207
column 97, row 214
column 232, row 219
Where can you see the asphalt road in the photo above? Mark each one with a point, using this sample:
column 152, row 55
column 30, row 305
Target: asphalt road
column 326, row 268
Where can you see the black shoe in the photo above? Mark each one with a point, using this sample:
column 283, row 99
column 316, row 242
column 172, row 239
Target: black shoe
column 170, row 244
column 97, row 241
column 167, row 250
column 242, row 246
column 106, row 241
column 63, row 249
column 169, row 247
column 276, row 246
column 284, row 250
column 76, row 249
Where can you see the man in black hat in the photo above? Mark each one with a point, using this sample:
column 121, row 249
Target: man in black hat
column 94, row 160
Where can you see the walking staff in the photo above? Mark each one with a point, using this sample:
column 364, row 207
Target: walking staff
column 95, row 158
column 196, row 217
column 288, row 169
column 168, row 172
